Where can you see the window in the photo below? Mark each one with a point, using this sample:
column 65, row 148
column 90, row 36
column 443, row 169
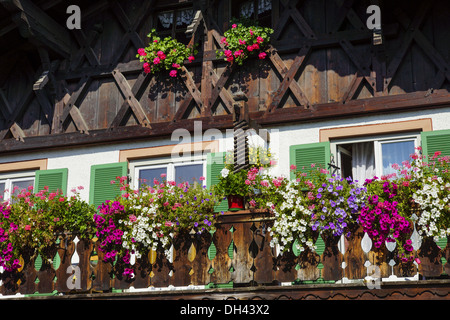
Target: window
column 174, row 23
column 365, row 157
column 260, row 10
column 13, row 183
column 181, row 169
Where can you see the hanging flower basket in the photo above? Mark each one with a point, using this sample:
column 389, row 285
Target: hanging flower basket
column 243, row 40
column 164, row 54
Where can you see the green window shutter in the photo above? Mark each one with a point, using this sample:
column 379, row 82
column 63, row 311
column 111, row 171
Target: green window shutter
column 54, row 179
column 101, row 188
column 215, row 162
column 303, row 155
column 433, row 141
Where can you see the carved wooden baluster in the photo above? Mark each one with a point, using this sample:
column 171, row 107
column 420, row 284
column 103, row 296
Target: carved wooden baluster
column 232, row 249
column 152, row 259
column 253, row 250
column 416, row 240
column 442, row 244
column 296, row 251
column 391, row 247
column 74, row 280
column 192, row 253
column 320, row 249
column 342, row 247
column 366, row 245
column 211, row 252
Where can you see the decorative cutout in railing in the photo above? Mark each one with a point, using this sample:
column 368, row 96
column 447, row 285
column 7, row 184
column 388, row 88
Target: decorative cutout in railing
column 237, row 253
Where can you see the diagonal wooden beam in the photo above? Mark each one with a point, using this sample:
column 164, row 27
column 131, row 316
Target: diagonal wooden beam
column 36, row 24
column 86, row 48
column 410, row 33
column 361, row 73
column 218, row 87
column 439, row 61
column 290, row 11
column 71, row 106
column 130, row 27
column 288, row 81
column 130, row 98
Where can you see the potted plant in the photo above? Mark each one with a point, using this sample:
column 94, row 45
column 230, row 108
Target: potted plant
column 232, row 185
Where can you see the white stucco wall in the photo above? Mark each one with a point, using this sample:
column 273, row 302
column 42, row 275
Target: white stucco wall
column 79, row 160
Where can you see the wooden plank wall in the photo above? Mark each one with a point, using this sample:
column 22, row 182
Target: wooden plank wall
column 339, row 65
column 243, row 258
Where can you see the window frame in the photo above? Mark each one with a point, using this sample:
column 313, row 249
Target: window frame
column 10, row 177
column 378, row 140
column 172, row 31
column 168, row 162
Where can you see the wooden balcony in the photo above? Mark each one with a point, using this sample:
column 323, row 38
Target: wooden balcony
column 236, row 261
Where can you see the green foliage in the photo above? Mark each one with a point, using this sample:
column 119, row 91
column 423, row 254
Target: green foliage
column 33, row 221
column 164, row 54
column 243, row 40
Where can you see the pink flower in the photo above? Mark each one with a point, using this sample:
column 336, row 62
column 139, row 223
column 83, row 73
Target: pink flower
column 133, row 218
column 28, row 227
column 156, row 60
column 251, row 32
column 262, row 55
column 241, row 42
column 228, row 53
column 61, row 199
column 259, row 39
column 191, row 58
column 202, row 178
column 155, row 41
column 163, row 175
column 234, row 26
column 160, row 53
column 255, row 46
column 237, row 53
column 165, row 204
column 250, row 48
column 147, row 70
column 253, row 203
column 175, row 65
column 247, row 182
column 168, row 223
column 223, row 40
column 293, row 167
column 173, row 73
column 230, row 58
column 141, row 52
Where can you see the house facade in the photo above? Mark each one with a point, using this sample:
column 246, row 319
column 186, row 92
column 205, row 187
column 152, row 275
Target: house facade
column 77, row 109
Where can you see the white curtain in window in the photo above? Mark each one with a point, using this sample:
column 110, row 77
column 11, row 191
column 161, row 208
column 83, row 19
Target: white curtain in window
column 363, row 161
column 185, row 17
column 166, row 19
column 264, row 5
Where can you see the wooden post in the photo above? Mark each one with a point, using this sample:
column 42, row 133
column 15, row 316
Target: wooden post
column 240, row 125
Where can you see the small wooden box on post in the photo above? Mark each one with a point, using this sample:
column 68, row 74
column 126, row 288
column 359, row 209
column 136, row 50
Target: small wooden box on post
column 241, row 122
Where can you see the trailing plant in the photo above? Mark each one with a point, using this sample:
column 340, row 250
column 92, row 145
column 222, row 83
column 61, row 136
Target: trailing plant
column 164, row 54
column 150, row 217
column 308, row 205
column 243, row 40
column 33, row 221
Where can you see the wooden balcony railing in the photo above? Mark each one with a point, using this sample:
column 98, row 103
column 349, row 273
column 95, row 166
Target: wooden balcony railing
column 237, row 254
